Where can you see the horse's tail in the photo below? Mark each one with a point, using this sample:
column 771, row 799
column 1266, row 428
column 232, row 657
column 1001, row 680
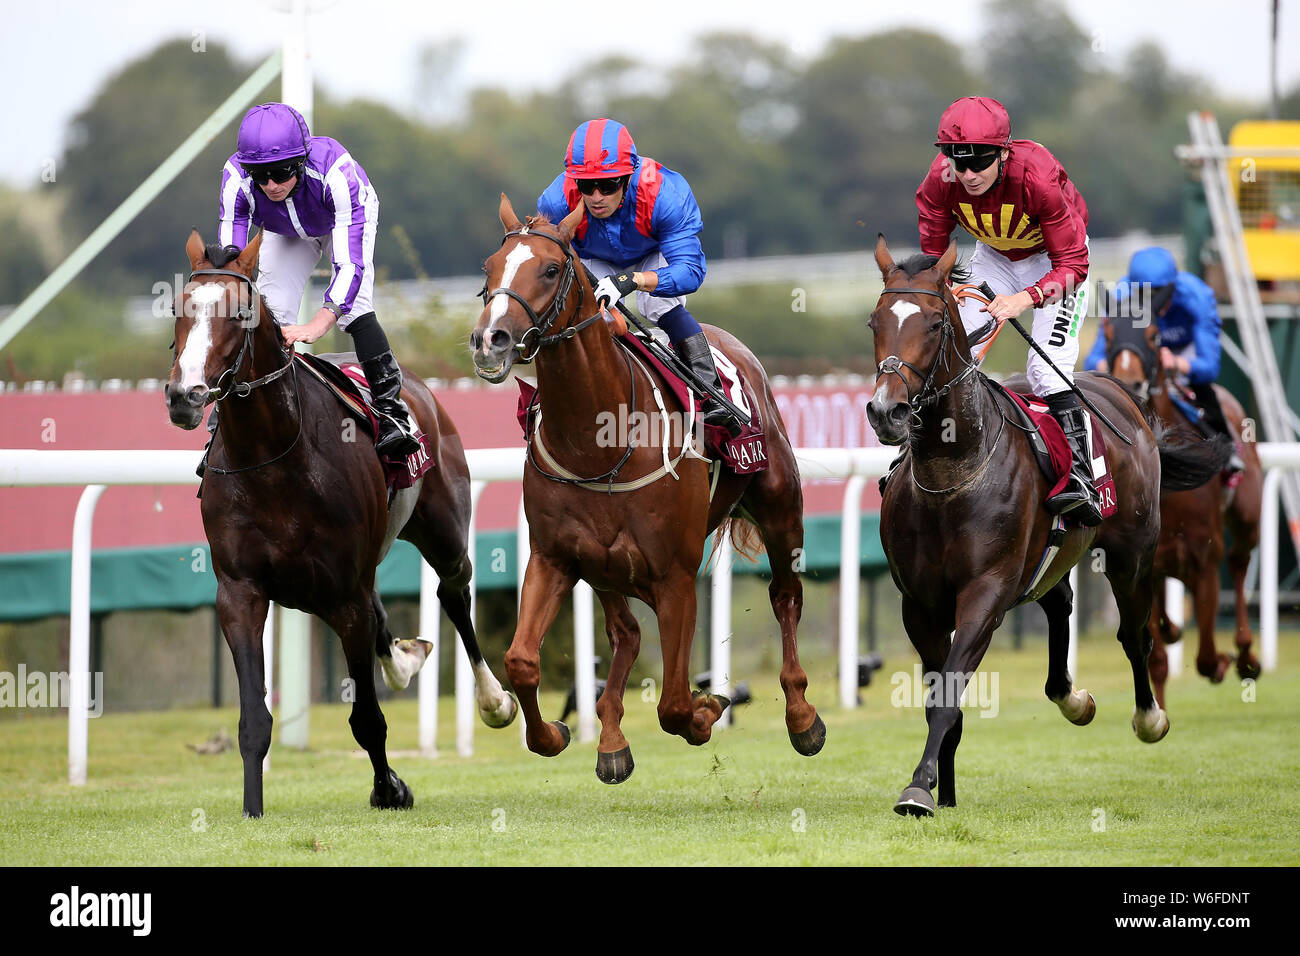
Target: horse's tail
column 745, row 540
column 1187, row 463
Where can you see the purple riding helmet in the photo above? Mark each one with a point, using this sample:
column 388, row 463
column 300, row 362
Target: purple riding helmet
column 271, row 133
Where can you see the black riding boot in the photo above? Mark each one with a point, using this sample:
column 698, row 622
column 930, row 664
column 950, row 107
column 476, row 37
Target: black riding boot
column 396, row 436
column 212, row 433
column 1213, row 423
column 1078, row 500
column 695, row 351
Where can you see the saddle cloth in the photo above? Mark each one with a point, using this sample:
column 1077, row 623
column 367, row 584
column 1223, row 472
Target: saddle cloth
column 1052, row 450
column 744, row 455
column 347, row 381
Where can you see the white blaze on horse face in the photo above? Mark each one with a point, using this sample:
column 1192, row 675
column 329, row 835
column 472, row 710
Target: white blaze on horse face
column 904, row 311
column 199, row 342
column 500, row 302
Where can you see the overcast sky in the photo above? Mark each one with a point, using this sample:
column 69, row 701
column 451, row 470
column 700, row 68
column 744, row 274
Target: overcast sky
column 54, row 55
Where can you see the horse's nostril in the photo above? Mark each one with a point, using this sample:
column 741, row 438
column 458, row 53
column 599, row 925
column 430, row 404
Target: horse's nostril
column 197, row 394
column 475, row 340
column 501, row 340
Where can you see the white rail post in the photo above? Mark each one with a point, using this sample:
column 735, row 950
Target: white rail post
column 1268, row 556
column 720, row 623
column 1072, row 649
column 465, row 701
column 1176, row 611
column 850, row 584
column 268, row 669
column 523, row 550
column 79, row 637
column 430, row 624
column 584, row 659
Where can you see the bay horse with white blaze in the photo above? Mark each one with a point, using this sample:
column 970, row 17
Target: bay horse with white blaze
column 296, row 510
column 622, row 531
column 963, row 523
column 1193, row 523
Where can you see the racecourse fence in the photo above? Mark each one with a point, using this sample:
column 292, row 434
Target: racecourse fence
column 96, row 470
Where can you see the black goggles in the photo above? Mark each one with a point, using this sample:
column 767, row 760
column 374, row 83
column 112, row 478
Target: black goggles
column 606, row 187
column 281, row 173
column 971, row 158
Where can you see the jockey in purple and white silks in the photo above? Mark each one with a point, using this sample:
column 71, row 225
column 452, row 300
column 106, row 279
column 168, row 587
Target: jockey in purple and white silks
column 312, row 198
column 641, row 234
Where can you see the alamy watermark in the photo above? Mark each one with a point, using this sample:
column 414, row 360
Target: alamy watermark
column 45, row 690
column 979, row 690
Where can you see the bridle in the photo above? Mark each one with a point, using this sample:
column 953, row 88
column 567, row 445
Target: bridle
column 223, row 390
column 1148, row 357
column 892, row 364
column 542, row 323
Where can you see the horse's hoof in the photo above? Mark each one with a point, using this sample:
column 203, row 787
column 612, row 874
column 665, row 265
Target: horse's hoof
column 1150, row 730
column 504, row 714
column 615, row 767
column 725, row 701
column 1085, row 716
column 1248, row 668
column 397, row 795
column 810, row 742
column 563, row 728
column 915, row 802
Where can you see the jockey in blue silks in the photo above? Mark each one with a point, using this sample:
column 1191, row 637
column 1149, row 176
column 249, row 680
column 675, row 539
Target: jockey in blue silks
column 641, row 234
column 311, row 198
column 1187, row 315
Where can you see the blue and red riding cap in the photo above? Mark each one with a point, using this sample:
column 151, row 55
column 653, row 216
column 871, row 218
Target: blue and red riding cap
column 271, row 133
column 600, row 149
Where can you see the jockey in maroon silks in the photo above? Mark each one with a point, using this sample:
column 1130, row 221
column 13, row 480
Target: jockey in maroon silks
column 312, row 198
column 1031, row 231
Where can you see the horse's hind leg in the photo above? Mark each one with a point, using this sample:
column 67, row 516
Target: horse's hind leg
column 1210, row 662
column 614, row 754
column 779, row 514
column 242, row 611
column 1133, row 592
column 357, row 625
column 442, row 544
column 1238, row 561
column 1078, row 706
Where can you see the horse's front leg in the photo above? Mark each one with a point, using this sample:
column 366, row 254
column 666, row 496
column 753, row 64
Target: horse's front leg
column 613, row 753
column 545, row 587
column 979, row 612
column 690, row 716
column 1209, row 661
column 1247, row 663
column 242, row 611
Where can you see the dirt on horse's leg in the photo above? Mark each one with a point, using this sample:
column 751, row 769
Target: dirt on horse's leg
column 681, row 713
column 614, row 754
column 1209, row 662
column 1134, row 593
column 357, row 627
column 545, row 588
column 1078, row 706
column 1247, row 663
column 242, row 610
column 928, row 633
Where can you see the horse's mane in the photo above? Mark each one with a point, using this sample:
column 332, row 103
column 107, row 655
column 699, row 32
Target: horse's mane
column 920, row 262
column 220, row 255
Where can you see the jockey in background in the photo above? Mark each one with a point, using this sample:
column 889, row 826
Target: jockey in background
column 1031, row 227
column 640, row 234
column 312, row 198
column 1187, row 315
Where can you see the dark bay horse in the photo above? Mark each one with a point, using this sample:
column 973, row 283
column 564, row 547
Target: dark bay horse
column 1193, row 523
column 641, row 540
column 295, row 509
column 963, row 524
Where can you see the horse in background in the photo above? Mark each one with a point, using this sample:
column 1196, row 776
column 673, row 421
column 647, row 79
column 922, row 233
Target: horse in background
column 296, row 509
column 1194, row 524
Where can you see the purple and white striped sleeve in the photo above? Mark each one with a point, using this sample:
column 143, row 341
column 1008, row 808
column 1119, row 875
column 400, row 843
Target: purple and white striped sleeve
column 232, row 208
column 356, row 216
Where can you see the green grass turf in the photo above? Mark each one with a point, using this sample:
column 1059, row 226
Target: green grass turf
column 1032, row 789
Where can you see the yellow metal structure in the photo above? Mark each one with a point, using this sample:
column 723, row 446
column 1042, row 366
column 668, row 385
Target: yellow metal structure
column 1267, row 189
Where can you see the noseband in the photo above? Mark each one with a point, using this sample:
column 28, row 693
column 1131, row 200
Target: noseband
column 892, row 364
column 245, row 316
column 542, row 323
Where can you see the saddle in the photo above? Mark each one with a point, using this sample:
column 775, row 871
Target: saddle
column 744, row 454
column 342, row 374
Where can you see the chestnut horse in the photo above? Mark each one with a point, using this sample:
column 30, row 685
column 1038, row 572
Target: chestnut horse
column 295, row 509
column 624, row 536
column 1192, row 523
column 962, row 518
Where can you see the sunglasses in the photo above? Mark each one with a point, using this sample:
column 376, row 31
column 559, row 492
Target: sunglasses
column 281, row 174
column 978, row 162
column 606, row 187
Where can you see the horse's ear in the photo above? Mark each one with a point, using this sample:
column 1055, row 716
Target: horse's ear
column 507, row 213
column 947, row 261
column 883, row 258
column 569, row 224
column 247, row 260
column 194, row 248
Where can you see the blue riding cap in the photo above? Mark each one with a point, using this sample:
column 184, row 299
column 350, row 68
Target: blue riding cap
column 271, row 133
column 1154, row 266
